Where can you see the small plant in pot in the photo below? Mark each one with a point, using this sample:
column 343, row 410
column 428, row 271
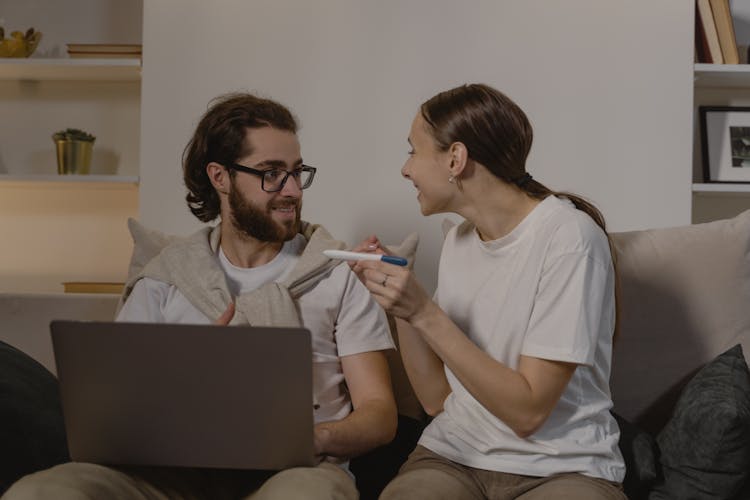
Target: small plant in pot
column 74, row 148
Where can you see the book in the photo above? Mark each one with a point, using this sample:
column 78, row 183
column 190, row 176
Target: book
column 725, row 30
column 92, row 287
column 101, row 50
column 703, row 11
column 702, row 54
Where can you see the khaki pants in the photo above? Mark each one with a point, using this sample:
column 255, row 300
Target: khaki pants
column 427, row 475
column 83, row 481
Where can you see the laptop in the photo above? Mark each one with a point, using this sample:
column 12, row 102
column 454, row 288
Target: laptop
column 231, row 397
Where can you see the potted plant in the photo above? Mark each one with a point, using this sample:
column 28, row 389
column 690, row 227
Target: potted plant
column 74, row 147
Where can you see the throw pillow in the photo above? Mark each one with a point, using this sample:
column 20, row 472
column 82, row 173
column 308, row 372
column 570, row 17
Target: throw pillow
column 147, row 243
column 640, row 452
column 684, row 300
column 705, row 446
column 32, row 434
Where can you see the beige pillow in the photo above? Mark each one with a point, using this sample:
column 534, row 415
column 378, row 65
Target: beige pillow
column 685, row 298
column 147, row 243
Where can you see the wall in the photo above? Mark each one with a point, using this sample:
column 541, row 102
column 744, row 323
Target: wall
column 55, row 232
column 607, row 86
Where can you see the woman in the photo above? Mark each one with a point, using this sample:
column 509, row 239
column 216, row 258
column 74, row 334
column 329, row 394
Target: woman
column 512, row 354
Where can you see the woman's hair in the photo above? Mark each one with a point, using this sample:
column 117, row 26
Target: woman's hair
column 497, row 134
column 220, row 137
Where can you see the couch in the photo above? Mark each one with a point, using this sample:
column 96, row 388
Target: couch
column 680, row 384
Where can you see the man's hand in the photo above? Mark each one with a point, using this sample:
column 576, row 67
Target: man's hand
column 226, row 316
column 321, row 436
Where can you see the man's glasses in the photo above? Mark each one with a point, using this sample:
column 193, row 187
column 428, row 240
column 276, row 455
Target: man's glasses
column 273, row 180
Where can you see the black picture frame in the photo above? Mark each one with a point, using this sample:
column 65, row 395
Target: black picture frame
column 725, row 144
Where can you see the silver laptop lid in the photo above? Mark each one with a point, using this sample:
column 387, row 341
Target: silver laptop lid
column 235, row 397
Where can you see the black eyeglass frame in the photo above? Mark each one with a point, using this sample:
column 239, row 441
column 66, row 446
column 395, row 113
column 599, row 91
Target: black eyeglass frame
column 262, row 175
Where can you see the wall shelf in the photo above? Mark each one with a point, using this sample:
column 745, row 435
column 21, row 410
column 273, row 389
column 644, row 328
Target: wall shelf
column 93, row 181
column 114, row 70
column 722, row 75
column 722, row 189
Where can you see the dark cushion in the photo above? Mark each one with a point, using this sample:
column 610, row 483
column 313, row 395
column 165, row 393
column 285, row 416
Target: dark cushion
column 32, row 432
column 375, row 469
column 640, row 452
column 705, row 446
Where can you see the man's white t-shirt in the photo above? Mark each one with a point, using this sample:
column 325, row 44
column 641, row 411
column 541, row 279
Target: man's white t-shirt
column 340, row 313
column 545, row 290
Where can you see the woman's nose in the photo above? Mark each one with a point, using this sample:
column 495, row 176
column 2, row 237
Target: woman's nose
column 404, row 170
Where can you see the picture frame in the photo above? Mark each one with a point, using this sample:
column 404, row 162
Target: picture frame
column 725, row 143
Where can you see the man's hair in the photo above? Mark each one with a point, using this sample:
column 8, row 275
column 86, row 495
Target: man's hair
column 220, row 137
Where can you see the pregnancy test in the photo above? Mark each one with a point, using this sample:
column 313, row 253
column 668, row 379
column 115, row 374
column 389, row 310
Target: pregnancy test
column 344, row 255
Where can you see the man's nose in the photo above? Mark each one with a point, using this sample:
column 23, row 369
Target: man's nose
column 291, row 188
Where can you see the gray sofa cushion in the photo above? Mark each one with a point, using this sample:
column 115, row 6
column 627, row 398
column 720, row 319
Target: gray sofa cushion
column 705, row 446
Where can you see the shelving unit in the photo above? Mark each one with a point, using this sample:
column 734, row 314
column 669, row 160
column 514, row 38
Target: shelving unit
column 722, row 76
column 87, row 181
column 68, row 228
column 718, row 85
column 40, row 96
column 732, row 189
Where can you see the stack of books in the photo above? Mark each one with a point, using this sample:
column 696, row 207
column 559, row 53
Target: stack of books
column 104, row 51
column 715, row 42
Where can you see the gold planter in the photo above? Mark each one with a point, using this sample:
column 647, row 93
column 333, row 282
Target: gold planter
column 73, row 157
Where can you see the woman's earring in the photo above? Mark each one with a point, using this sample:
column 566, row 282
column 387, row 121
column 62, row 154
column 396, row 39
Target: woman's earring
column 450, row 179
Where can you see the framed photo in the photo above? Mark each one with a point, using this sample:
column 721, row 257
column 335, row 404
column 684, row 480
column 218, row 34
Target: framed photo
column 725, row 142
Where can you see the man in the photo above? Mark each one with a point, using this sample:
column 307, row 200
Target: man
column 263, row 265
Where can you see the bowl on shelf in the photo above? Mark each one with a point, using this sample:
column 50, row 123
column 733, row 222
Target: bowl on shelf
column 19, row 44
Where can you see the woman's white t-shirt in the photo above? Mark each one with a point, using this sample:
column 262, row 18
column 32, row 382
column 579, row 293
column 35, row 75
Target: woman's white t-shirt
column 545, row 290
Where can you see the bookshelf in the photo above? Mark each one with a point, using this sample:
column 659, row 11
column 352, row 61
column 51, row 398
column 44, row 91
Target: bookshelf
column 718, row 85
column 69, row 228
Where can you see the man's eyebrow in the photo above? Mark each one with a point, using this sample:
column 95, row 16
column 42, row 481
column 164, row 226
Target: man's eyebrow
column 277, row 163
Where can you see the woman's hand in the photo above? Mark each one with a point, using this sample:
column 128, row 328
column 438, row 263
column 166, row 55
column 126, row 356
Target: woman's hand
column 395, row 288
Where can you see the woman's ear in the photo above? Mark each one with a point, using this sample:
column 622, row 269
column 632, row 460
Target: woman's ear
column 219, row 177
column 459, row 156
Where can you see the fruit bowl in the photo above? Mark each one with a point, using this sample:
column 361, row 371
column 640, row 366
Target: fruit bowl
column 19, row 44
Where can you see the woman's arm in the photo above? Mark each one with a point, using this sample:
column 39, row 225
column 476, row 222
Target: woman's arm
column 423, row 367
column 522, row 398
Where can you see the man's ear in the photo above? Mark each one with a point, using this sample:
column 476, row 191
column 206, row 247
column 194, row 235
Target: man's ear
column 219, row 177
column 459, row 156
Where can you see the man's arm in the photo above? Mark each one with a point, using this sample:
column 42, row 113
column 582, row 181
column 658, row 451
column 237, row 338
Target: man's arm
column 373, row 421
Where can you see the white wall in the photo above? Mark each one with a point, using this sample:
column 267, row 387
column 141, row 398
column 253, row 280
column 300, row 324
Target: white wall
column 607, row 85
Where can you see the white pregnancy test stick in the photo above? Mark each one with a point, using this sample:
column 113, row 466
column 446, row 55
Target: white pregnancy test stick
column 344, row 255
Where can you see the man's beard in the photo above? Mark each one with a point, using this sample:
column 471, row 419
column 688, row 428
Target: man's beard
column 257, row 223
